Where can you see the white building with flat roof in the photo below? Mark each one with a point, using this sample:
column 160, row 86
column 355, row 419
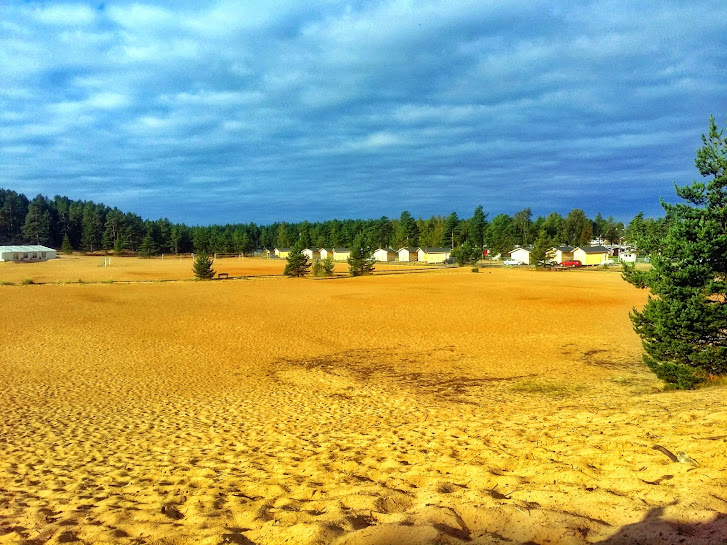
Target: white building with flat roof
column 26, row 253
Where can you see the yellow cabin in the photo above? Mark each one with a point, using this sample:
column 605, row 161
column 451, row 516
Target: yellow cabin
column 591, row 255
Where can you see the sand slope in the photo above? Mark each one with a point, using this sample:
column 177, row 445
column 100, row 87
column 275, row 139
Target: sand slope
column 448, row 407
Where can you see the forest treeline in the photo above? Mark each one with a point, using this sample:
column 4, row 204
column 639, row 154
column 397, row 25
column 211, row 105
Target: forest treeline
column 89, row 227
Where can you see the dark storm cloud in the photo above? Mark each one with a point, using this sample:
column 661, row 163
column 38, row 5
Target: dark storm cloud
column 265, row 111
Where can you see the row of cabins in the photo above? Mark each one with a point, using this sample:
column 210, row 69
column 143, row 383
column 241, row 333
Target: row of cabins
column 422, row 255
column 587, row 255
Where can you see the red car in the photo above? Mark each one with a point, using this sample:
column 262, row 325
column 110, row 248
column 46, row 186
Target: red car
column 572, row 263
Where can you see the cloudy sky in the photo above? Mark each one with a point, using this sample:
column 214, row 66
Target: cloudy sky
column 237, row 111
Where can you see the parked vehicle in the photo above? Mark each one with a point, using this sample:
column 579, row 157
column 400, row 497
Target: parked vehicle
column 547, row 263
column 572, row 263
column 513, row 262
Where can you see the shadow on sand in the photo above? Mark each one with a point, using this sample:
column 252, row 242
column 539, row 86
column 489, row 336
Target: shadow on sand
column 655, row 530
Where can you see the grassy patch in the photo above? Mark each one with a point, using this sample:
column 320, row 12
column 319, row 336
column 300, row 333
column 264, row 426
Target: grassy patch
column 555, row 389
column 27, row 281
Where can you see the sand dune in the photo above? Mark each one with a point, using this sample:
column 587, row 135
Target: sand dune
column 448, row 407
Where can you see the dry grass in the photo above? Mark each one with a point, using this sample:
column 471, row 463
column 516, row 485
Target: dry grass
column 445, row 407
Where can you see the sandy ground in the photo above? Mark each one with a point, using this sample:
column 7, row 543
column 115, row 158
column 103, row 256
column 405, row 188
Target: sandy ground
column 81, row 268
column 447, row 407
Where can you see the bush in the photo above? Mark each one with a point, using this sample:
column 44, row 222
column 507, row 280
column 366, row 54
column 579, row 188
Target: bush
column 27, row 282
column 475, row 269
column 323, row 267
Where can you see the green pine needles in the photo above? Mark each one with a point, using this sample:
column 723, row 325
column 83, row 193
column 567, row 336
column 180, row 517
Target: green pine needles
column 202, row 267
column 684, row 323
column 360, row 262
column 298, row 263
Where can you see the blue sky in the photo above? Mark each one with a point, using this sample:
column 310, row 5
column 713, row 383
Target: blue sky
column 237, row 111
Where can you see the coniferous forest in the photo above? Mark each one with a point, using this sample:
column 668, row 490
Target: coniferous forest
column 86, row 226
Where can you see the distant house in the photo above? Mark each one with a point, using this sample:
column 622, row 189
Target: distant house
column 282, row 253
column 433, row 255
column 385, row 254
column 312, row 254
column 521, row 254
column 24, row 254
column 325, row 253
column 591, row 255
column 341, row 254
column 408, row 254
column 562, row 253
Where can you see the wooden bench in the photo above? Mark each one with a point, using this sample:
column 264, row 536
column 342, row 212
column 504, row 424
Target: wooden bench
column 223, row 275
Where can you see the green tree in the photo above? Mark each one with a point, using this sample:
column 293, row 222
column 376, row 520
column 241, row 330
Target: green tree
column 323, row 267
column 66, row 247
column 683, row 325
column 523, row 221
column 613, row 230
column 553, row 226
column 467, row 254
column 407, row 232
column 542, row 248
column 360, row 262
column 452, row 231
column 36, row 228
column 500, row 234
column 577, row 229
column 476, row 231
column 202, row 266
column 298, row 264
column 148, row 246
column 118, row 246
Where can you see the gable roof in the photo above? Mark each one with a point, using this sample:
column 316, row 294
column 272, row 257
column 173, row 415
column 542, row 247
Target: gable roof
column 410, row 249
column 593, row 249
column 436, row 250
column 564, row 248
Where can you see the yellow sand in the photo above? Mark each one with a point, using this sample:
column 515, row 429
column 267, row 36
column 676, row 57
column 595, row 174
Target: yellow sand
column 508, row 406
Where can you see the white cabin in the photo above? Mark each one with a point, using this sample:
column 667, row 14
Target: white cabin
column 385, row 254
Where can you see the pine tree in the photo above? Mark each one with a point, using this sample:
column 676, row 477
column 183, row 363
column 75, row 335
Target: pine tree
column 66, row 247
column 202, row 267
column 36, row 228
column 477, row 227
column 542, row 248
column 450, row 237
column 118, row 246
column 323, row 267
column 467, row 254
column 683, row 325
column 148, row 246
column 360, row 262
column 298, row 264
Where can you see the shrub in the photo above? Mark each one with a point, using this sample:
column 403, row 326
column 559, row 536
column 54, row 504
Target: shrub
column 323, row 267
column 27, row 281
